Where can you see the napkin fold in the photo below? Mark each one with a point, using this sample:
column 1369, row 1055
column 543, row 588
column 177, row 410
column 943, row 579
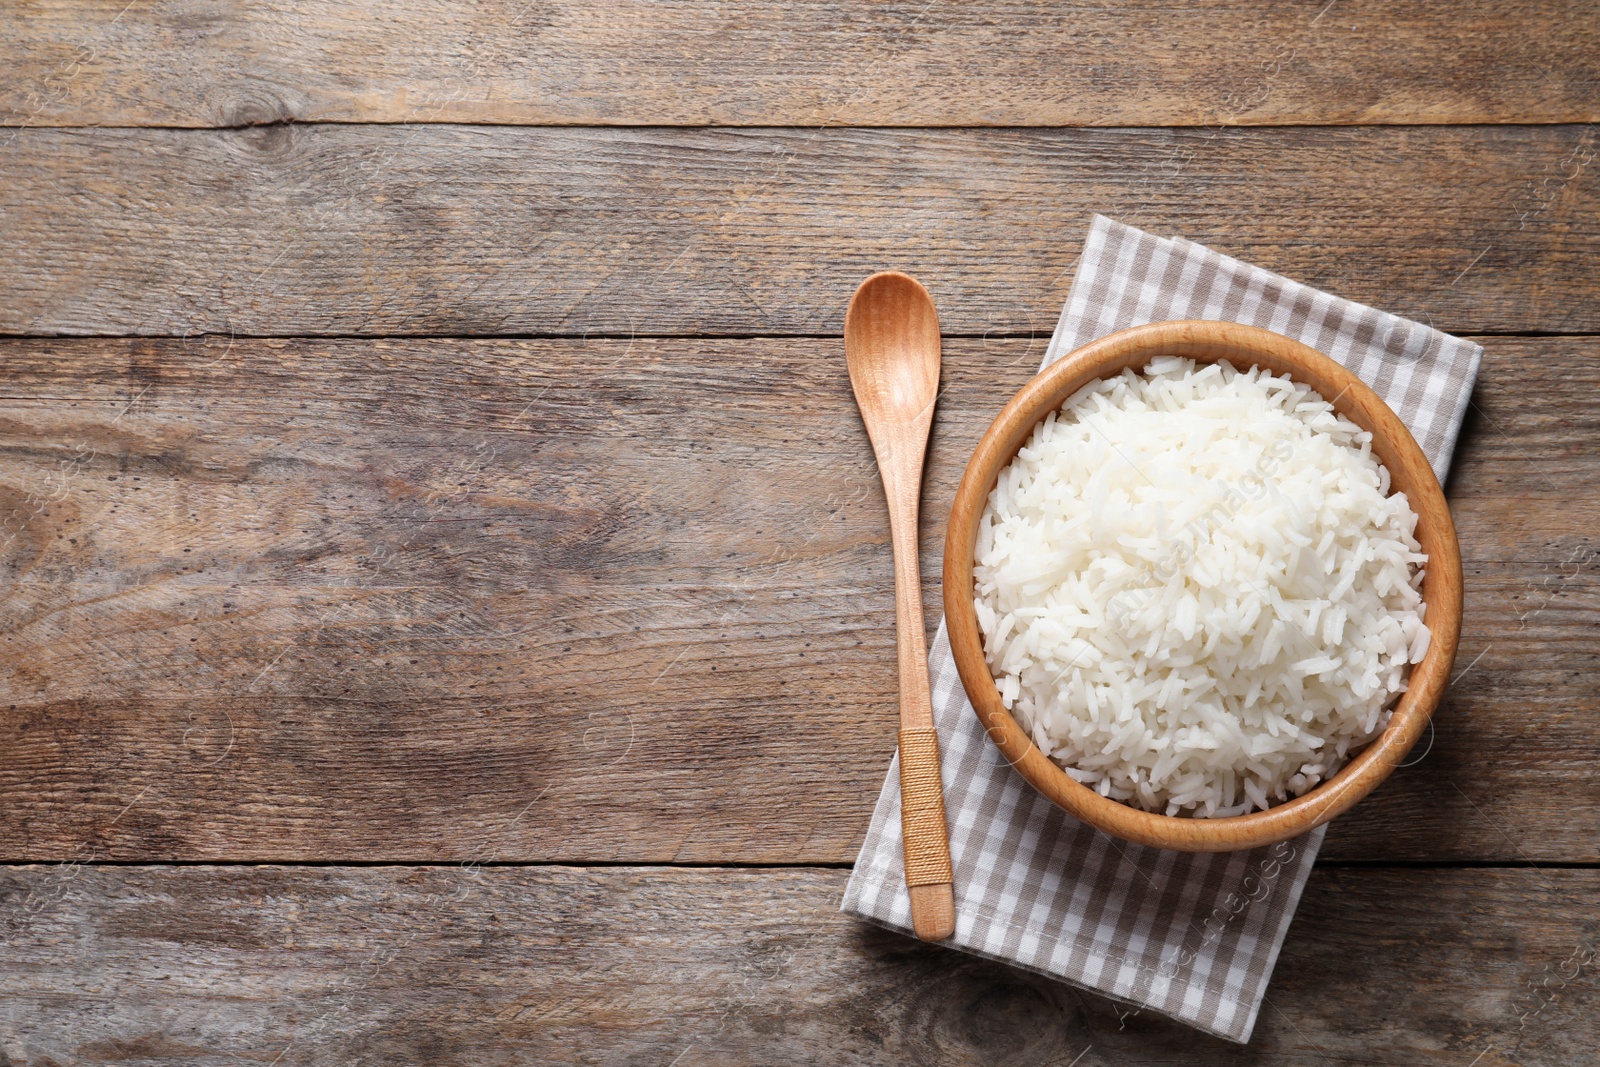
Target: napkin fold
column 1189, row 935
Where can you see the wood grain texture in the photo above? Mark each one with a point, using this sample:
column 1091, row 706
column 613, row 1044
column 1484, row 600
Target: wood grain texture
column 292, row 230
column 610, row 601
column 799, row 62
column 213, row 966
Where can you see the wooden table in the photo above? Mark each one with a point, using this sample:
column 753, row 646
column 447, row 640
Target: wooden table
column 447, row 607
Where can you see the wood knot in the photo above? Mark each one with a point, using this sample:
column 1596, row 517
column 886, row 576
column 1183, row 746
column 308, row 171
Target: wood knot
column 1003, row 1020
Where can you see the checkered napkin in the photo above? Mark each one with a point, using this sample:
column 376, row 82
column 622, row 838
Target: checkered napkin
column 1190, row 935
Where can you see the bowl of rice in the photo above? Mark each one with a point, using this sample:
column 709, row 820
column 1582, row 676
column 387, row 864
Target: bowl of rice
column 1202, row 586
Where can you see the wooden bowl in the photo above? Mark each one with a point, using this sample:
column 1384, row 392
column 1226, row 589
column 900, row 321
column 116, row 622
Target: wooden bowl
column 1410, row 472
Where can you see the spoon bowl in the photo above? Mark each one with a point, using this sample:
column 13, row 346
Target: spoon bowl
column 888, row 332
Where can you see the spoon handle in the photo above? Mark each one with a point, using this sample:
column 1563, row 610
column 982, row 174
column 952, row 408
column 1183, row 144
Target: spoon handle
column 925, row 834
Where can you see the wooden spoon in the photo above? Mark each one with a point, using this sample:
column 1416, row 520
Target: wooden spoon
column 891, row 342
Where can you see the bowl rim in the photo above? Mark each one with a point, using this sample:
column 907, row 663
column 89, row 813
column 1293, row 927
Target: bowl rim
column 1410, row 472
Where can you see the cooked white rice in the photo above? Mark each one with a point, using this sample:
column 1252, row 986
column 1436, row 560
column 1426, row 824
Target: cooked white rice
column 1195, row 589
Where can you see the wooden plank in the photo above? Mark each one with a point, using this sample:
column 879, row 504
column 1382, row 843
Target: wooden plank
column 210, row 966
column 800, row 63
column 475, row 231
column 405, row 600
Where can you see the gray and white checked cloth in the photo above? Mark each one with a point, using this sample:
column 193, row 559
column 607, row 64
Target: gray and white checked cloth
column 1193, row 936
